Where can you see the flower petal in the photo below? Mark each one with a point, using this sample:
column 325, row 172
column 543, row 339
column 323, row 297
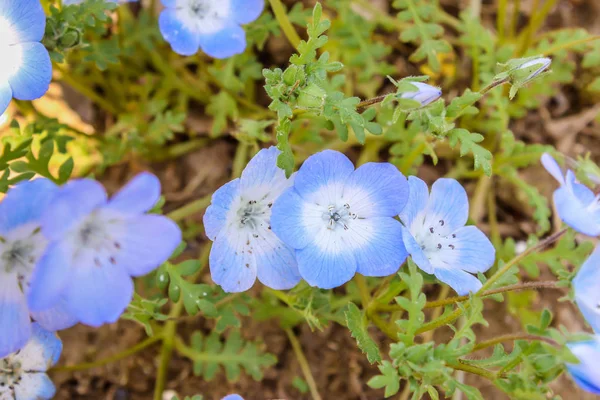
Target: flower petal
column 35, row 386
column 15, row 326
column 215, row 216
column 231, row 265
column 182, row 39
column 97, row 294
column 415, row 251
column 50, row 276
column 328, row 261
column 233, row 397
column 462, row 282
column 587, row 294
column 41, row 352
column 262, row 178
column 275, row 262
column 246, row 11
column 377, row 244
column 466, row 248
column 553, row 168
column 574, row 213
column 145, row 242
column 25, row 21
column 586, row 374
column 448, row 207
column 376, row 190
column 138, row 196
column 294, row 220
column 55, row 318
column 74, row 201
column 32, row 78
column 5, row 96
column 322, row 177
column 418, row 197
column 227, row 42
column 25, row 203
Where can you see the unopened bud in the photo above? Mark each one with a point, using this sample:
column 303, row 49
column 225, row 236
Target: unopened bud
column 425, row 94
column 537, row 65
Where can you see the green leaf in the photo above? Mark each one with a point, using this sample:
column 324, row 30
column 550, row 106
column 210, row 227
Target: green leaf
column 389, row 379
column 355, row 323
column 469, row 144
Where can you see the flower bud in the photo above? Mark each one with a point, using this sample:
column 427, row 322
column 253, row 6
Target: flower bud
column 425, row 94
column 540, row 64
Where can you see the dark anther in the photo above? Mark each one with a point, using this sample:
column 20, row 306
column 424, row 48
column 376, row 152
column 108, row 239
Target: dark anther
column 454, row 236
column 117, row 245
column 112, row 260
column 431, row 229
column 439, row 246
column 270, row 205
column 451, row 246
column 441, row 222
column 336, row 217
column 254, row 235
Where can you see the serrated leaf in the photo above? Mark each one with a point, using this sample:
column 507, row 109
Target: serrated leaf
column 354, row 321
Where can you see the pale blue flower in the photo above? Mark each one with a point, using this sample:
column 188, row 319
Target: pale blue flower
column 424, row 93
column 97, row 245
column 437, row 239
column 210, row 25
column 586, row 374
column 238, row 221
column 233, row 397
column 22, row 245
column 575, row 203
column 69, row 2
column 341, row 221
column 23, row 374
column 25, row 69
column 587, row 289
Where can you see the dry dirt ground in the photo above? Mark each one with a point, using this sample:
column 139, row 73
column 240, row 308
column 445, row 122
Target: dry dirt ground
column 340, row 370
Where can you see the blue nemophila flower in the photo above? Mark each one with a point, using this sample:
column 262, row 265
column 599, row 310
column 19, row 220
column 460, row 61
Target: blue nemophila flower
column 341, row 221
column 97, row 245
column 233, row 397
column 586, row 286
column 576, row 204
column 22, row 244
column 69, row 2
column 424, row 94
column 238, row 221
column 586, row 374
column 26, row 69
column 210, row 25
column 23, row 373
column 437, row 239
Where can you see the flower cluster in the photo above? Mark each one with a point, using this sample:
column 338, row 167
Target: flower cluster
column 26, row 69
column 329, row 221
column 67, row 254
column 23, row 373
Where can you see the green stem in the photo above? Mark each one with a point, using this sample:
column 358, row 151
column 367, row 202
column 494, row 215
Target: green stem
column 284, row 22
column 370, row 102
column 510, row 338
column 574, row 43
column 166, row 351
column 86, row 91
column 363, row 289
column 304, row 366
column 535, row 23
column 460, row 366
column 501, row 19
column 190, row 209
column 114, row 358
column 515, row 18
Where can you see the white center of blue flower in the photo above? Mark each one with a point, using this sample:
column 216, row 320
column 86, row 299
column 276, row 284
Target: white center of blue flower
column 11, row 374
column 338, row 217
column 253, row 213
column 20, row 251
column 96, row 233
column 203, row 16
column 433, row 237
column 11, row 54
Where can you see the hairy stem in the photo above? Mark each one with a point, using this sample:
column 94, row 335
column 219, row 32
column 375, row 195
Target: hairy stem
column 510, row 338
column 310, row 380
column 460, row 366
column 190, row 209
column 285, row 23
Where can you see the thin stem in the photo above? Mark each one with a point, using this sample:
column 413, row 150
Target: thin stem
column 310, row 380
column 574, row 43
column 114, row 358
column 363, row 289
column 515, row 18
column 501, row 19
column 479, row 197
column 370, row 102
column 510, row 338
column 535, row 23
column 427, row 336
column 460, row 366
column 493, row 85
column 284, row 22
column 190, row 209
column 167, row 350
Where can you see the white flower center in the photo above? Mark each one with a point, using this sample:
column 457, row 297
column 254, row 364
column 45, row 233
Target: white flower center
column 432, row 237
column 203, row 16
column 252, row 214
column 20, row 251
column 96, row 233
column 10, row 374
column 338, row 217
column 12, row 55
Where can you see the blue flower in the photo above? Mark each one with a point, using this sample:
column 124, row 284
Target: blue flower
column 26, row 69
column 233, row 397
column 212, row 25
column 23, row 374
column 424, row 93
column 69, row 2
column 341, row 221
column 21, row 247
column 437, row 239
column 238, row 222
column 586, row 374
column 576, row 204
column 97, row 245
column 587, row 294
